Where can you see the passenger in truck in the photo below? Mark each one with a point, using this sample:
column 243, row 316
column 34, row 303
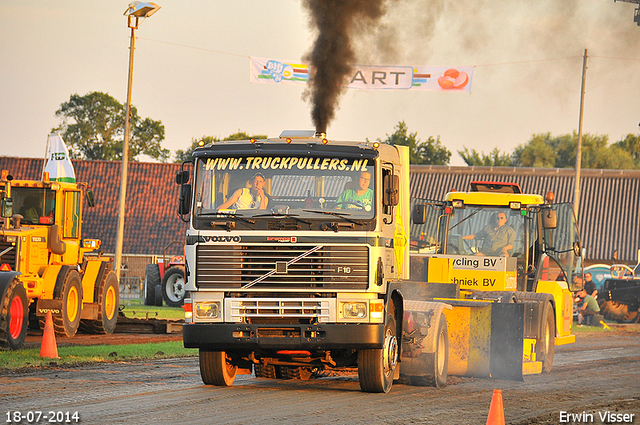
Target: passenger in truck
column 497, row 237
column 249, row 198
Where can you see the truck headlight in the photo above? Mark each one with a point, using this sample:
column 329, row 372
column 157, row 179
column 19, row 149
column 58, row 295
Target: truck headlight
column 354, row 310
column 209, row 310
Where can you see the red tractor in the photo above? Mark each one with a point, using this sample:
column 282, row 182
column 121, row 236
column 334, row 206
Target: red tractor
column 165, row 281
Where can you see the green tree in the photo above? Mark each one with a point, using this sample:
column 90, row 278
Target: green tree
column 630, row 144
column 93, row 128
column 495, row 158
column 430, row 152
column 186, row 155
column 561, row 151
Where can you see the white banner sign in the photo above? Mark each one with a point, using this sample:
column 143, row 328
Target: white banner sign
column 369, row 77
column 57, row 161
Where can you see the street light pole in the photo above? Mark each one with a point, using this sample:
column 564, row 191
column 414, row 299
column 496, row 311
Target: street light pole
column 134, row 12
column 576, row 195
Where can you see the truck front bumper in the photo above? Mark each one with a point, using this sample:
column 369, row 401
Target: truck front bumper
column 235, row 337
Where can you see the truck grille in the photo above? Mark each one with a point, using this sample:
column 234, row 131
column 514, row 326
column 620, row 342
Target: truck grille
column 246, row 309
column 282, row 267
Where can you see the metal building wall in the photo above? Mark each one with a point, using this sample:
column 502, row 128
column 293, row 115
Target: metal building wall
column 608, row 218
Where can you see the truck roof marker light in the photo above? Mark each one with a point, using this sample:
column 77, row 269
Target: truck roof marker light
column 252, row 140
column 288, row 139
column 376, row 145
column 550, row 197
column 201, row 143
column 325, row 141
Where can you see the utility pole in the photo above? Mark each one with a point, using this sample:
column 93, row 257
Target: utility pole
column 576, row 196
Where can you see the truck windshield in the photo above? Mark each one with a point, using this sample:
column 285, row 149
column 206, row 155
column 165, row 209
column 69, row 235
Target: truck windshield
column 36, row 205
column 301, row 187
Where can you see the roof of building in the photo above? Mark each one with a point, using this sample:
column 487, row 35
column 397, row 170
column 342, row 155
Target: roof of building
column 609, row 208
column 151, row 220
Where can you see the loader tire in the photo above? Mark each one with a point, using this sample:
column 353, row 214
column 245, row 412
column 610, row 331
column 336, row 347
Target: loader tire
column 216, row 369
column 151, row 280
column 67, row 323
column 14, row 316
column 108, row 302
column 545, row 344
column 173, row 287
column 376, row 366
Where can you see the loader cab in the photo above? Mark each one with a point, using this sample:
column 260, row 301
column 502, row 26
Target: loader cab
column 35, row 204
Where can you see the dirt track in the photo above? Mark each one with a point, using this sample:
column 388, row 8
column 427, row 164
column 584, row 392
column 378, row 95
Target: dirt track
column 599, row 373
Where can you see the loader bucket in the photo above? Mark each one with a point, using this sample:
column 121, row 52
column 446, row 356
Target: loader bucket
column 485, row 339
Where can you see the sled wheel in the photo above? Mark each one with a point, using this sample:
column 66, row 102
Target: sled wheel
column 376, row 366
column 151, row 280
column 67, row 323
column 14, row 316
column 292, row 372
column 216, row 368
column 438, row 362
column 265, row 371
column 545, row 344
column 173, row 287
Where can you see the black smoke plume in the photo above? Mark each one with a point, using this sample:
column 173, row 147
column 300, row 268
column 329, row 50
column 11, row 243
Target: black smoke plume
column 333, row 56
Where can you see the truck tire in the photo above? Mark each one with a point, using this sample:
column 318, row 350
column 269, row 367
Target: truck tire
column 216, row 369
column 108, row 303
column 613, row 310
column 438, row 361
column 67, row 323
column 376, row 366
column 151, row 280
column 545, row 344
column 173, row 287
column 14, row 316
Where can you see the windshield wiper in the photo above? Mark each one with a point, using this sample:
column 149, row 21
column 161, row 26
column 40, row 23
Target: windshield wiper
column 466, row 218
column 335, row 214
column 286, row 215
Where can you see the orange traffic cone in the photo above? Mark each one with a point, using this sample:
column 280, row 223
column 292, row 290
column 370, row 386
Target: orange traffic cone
column 496, row 411
column 49, row 348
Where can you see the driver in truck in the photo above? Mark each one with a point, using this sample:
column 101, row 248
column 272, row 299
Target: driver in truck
column 497, row 237
column 249, row 198
column 360, row 197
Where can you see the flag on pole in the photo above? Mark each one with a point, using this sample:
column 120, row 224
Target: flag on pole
column 57, row 162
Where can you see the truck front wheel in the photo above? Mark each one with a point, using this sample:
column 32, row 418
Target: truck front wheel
column 376, row 367
column 14, row 316
column 216, row 368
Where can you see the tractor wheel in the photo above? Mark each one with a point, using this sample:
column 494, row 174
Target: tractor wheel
column 14, row 316
column 292, row 372
column 108, row 302
column 67, row 323
column 613, row 310
column 262, row 371
column 173, row 287
column 376, row 366
column 545, row 344
column 157, row 299
column 216, row 368
column 151, row 280
column 437, row 362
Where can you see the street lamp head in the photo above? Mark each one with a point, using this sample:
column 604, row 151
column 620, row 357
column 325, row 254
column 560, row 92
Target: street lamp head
column 141, row 9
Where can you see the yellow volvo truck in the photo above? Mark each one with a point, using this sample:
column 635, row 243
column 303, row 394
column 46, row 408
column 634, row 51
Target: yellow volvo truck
column 497, row 243
column 297, row 260
column 45, row 265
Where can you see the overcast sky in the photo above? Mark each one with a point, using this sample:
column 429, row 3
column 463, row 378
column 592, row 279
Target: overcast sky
column 192, row 69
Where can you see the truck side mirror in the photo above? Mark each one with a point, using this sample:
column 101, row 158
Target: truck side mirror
column 184, row 202
column 182, row 177
column 7, row 207
column 549, row 219
column 390, row 185
column 419, row 214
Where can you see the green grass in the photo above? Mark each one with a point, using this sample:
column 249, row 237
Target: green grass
column 134, row 309
column 80, row 355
